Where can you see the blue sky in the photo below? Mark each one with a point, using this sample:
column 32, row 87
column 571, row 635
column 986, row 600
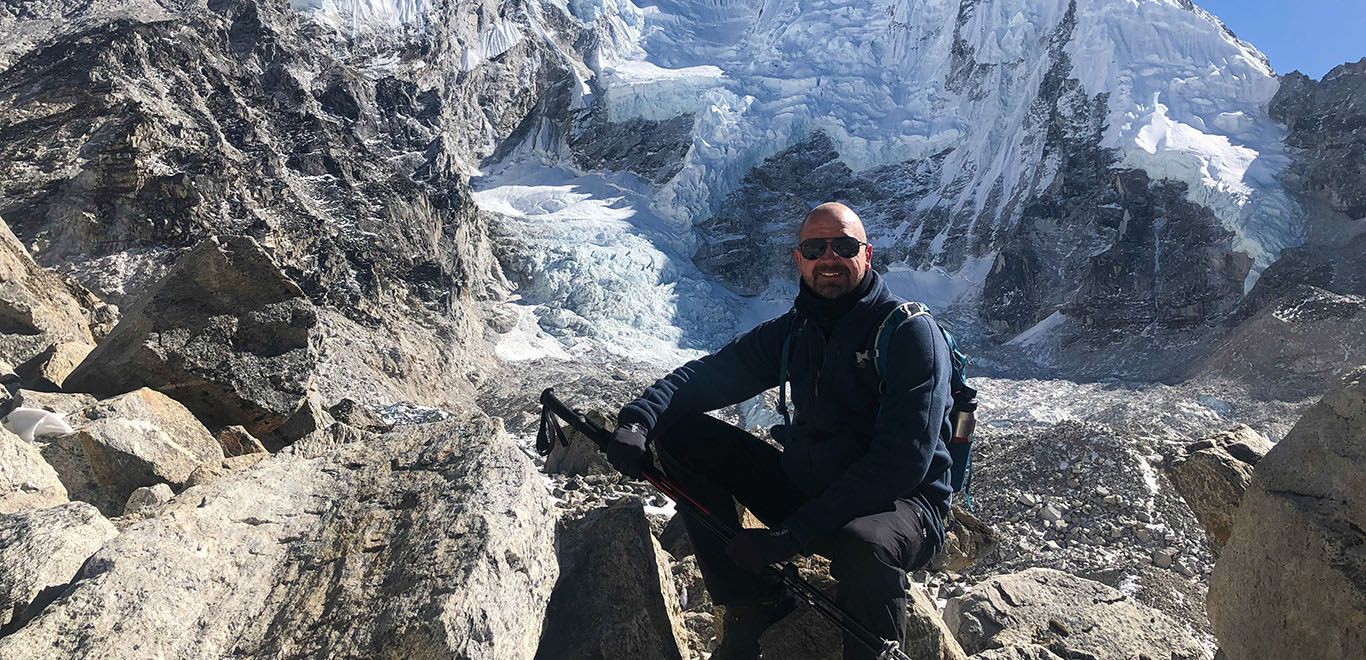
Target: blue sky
column 1310, row 35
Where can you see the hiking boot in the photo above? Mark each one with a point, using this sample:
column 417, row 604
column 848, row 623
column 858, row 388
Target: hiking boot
column 745, row 623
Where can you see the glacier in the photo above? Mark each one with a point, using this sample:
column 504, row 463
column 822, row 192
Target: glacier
column 889, row 81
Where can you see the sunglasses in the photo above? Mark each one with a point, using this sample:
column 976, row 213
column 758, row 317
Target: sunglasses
column 847, row 247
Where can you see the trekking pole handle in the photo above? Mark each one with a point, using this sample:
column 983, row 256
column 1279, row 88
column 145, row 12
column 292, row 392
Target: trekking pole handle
column 601, row 436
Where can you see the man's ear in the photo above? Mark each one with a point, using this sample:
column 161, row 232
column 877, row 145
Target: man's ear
column 797, row 257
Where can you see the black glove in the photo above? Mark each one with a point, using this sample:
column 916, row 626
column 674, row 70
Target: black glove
column 754, row 549
column 626, row 451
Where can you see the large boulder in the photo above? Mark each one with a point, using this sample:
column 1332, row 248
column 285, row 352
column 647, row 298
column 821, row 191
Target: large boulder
column 437, row 543
column 1291, row 581
column 1073, row 617
column 37, row 306
column 26, row 480
column 225, row 333
column 140, row 439
column 41, row 551
column 615, row 597
column 1212, row 474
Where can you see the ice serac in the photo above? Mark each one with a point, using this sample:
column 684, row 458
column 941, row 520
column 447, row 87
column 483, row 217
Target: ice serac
column 1016, row 159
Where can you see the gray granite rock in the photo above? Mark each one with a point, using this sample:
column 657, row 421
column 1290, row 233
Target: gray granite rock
column 41, row 551
column 436, row 543
column 1289, row 581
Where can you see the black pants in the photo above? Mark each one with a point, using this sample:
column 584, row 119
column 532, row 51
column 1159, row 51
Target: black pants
column 718, row 464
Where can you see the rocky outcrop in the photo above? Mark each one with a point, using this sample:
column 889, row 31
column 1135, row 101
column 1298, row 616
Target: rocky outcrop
column 41, row 551
column 48, row 370
column 1291, row 581
column 1071, row 616
column 37, row 308
column 613, row 551
column 26, row 480
column 1294, row 344
column 436, row 543
column 967, row 539
column 140, row 439
column 1324, row 119
column 225, row 333
column 236, row 441
column 1212, row 475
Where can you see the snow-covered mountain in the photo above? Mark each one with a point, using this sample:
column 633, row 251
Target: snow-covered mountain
column 1060, row 179
column 1096, row 166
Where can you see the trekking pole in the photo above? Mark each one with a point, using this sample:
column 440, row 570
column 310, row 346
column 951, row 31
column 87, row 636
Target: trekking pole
column 550, row 432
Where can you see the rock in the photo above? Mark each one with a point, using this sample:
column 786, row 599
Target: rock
column 581, row 457
column 692, row 591
column 210, row 471
column 1022, row 652
column 41, row 551
column 58, row 402
column 49, row 369
column 612, row 551
column 675, row 540
column 1164, row 558
column 140, row 439
column 236, row 441
column 1291, row 580
column 225, row 333
column 311, row 420
column 926, row 635
column 437, row 543
column 1213, row 473
column 37, row 308
column 1072, row 616
column 26, row 480
column 146, row 500
column 8, row 379
column 967, row 540
column 1050, row 513
column 353, row 414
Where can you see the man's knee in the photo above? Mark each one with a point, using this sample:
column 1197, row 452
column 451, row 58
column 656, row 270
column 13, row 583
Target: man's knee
column 868, row 557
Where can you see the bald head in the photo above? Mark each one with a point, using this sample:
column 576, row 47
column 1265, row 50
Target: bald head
column 829, row 274
column 834, row 213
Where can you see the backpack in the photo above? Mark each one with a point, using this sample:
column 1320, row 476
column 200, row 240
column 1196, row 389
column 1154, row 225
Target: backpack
column 963, row 414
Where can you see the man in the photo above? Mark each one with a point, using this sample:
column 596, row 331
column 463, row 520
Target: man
column 863, row 477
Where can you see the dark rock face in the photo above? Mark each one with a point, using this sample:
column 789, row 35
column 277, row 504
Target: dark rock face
column 1325, row 121
column 612, row 551
column 225, row 333
column 131, row 135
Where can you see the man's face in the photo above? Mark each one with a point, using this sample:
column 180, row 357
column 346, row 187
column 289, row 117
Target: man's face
column 831, row 275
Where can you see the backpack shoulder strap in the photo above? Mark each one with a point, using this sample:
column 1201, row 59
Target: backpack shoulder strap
column 882, row 340
column 782, row 375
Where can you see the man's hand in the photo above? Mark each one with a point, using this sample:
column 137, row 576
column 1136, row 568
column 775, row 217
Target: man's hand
column 626, row 452
column 754, row 549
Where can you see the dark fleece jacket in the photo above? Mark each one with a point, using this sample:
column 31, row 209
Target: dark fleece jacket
column 855, row 450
